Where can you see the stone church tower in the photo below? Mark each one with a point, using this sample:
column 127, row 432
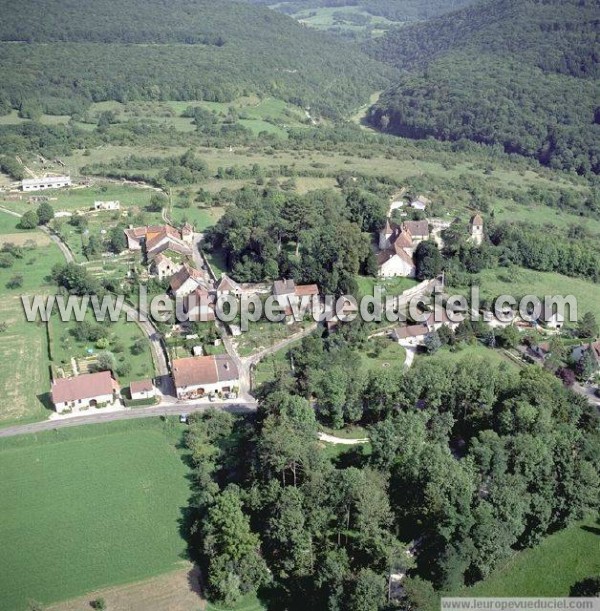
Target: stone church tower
column 476, row 230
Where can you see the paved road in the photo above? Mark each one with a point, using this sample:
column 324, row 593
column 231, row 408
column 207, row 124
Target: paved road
column 130, row 414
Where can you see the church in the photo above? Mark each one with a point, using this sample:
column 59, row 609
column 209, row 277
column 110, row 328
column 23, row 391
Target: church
column 397, row 245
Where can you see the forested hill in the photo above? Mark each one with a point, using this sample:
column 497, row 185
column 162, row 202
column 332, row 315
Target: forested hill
column 394, row 10
column 67, row 52
column 521, row 73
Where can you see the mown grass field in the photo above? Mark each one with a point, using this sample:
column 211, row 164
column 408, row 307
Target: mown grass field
column 550, row 569
column 24, row 371
column 465, row 351
column 497, row 282
column 89, row 507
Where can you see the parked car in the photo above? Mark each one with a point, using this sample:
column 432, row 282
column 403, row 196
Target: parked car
column 183, row 418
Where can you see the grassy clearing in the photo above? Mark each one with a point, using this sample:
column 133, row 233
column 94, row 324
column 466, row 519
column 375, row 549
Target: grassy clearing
column 88, row 507
column 381, row 353
column 463, row 351
column 496, row 282
column 550, row 569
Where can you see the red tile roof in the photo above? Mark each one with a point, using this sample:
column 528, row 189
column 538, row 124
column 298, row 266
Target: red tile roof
column 306, row 289
column 198, row 370
column 86, row 386
column 410, row 331
column 141, row 386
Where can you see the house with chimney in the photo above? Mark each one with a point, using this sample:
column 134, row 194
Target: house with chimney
column 187, row 280
column 84, row 391
column 397, row 245
column 197, row 377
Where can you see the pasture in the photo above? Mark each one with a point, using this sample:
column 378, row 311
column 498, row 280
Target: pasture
column 495, row 282
column 550, row 569
column 89, row 507
column 24, row 372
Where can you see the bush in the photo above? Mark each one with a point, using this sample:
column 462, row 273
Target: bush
column 29, row 220
column 15, row 282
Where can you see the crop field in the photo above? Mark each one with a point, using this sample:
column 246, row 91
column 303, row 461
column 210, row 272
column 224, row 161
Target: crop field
column 24, row 374
column 89, row 507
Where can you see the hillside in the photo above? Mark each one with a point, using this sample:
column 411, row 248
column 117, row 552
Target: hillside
column 358, row 17
column 523, row 74
column 63, row 54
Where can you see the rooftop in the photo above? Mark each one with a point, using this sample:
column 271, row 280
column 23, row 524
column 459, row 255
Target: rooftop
column 86, row 386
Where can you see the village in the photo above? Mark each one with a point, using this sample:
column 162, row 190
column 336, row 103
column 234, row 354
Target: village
column 190, row 370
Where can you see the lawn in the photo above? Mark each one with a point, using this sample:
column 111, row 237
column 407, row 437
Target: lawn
column 463, row 351
column 89, row 507
column 24, row 369
column 122, row 336
column 382, row 353
column 550, row 569
column 389, row 286
column 496, row 282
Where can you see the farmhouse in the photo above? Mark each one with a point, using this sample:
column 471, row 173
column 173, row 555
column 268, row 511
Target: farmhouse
column 163, row 267
column 196, row 377
column 84, row 391
column 411, row 335
column 187, row 280
column 228, row 286
column 157, row 239
column 114, row 205
column 397, row 244
column 290, row 295
column 142, row 389
column 49, row 182
column 420, row 203
column 199, row 306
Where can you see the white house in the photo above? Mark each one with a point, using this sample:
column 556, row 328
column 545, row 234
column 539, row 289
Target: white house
column 290, row 295
column 142, row 389
column 228, row 286
column 411, row 335
column 113, row 205
column 199, row 305
column 84, row 391
column 195, row 377
column 49, row 182
column 420, row 203
column 186, row 281
column 164, row 267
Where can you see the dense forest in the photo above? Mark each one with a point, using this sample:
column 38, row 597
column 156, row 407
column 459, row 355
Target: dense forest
column 468, row 464
column 59, row 54
column 521, row 74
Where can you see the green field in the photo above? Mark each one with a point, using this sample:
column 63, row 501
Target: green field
column 497, row 282
column 89, row 507
column 549, row 569
column 24, row 374
column 464, row 351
